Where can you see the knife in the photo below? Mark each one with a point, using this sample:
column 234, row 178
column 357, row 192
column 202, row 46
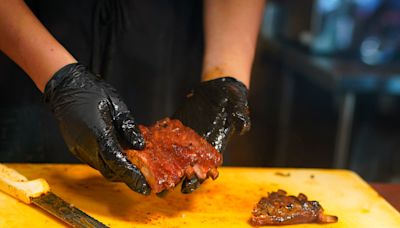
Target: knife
column 38, row 192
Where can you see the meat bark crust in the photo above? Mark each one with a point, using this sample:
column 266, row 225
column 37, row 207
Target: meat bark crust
column 280, row 209
column 173, row 151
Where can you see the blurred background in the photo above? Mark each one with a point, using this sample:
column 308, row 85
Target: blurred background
column 324, row 94
column 325, row 88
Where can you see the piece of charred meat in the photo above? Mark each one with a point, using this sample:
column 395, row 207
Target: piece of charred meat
column 173, row 151
column 280, row 209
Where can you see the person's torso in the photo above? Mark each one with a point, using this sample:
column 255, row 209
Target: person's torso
column 150, row 51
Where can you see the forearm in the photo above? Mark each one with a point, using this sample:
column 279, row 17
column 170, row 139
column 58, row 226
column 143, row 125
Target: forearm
column 231, row 29
column 28, row 43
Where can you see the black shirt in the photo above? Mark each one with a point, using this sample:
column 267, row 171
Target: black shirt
column 150, row 50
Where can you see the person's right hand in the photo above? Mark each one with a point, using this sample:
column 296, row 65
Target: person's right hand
column 93, row 121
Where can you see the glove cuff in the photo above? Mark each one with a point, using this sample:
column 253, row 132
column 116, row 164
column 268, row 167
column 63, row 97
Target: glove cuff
column 59, row 76
column 228, row 80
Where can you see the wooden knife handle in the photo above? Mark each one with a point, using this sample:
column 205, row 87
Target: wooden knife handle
column 18, row 186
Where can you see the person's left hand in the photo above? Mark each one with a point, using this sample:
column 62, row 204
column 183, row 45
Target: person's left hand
column 216, row 110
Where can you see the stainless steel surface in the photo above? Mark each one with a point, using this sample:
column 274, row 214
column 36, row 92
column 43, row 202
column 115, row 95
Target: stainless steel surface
column 343, row 137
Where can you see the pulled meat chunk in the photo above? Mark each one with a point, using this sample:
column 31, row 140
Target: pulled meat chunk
column 280, row 209
column 174, row 151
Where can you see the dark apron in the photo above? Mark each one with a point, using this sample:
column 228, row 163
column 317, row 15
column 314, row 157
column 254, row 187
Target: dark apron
column 150, row 50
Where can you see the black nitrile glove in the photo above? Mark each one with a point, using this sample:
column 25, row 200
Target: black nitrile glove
column 216, row 110
column 94, row 121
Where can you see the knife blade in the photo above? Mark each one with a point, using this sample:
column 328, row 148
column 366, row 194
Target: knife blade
column 38, row 192
column 67, row 212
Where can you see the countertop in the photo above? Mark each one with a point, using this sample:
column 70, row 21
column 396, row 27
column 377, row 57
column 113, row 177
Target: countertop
column 225, row 202
column 391, row 192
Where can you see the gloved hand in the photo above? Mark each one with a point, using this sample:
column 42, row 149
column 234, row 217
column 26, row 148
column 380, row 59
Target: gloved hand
column 216, row 110
column 94, row 121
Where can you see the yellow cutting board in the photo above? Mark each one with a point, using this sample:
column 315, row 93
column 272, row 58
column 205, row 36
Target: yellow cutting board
column 226, row 202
